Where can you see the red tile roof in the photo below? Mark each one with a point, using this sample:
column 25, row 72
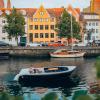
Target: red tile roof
column 54, row 12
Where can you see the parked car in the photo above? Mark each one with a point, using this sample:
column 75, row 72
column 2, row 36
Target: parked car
column 44, row 44
column 94, row 43
column 97, row 42
column 34, row 44
column 3, row 44
column 79, row 44
column 55, row 44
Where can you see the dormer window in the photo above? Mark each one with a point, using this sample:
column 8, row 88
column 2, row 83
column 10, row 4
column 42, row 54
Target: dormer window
column 41, row 13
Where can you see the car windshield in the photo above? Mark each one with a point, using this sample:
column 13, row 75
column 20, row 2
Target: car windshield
column 2, row 42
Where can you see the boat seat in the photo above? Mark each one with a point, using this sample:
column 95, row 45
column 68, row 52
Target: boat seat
column 36, row 70
column 52, row 68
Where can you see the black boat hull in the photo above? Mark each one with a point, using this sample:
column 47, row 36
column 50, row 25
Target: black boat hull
column 27, row 80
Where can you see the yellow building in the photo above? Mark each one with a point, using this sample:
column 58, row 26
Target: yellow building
column 42, row 22
column 41, row 26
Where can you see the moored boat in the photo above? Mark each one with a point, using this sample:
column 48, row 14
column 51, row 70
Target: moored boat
column 47, row 74
column 64, row 53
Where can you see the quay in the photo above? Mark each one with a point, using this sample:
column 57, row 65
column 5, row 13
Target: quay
column 44, row 51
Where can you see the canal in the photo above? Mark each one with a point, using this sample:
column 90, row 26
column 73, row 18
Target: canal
column 84, row 75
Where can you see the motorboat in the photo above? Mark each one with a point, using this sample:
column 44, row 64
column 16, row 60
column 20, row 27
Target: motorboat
column 46, row 74
column 64, row 53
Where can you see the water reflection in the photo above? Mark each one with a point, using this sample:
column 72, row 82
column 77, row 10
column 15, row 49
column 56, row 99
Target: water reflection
column 39, row 90
column 79, row 79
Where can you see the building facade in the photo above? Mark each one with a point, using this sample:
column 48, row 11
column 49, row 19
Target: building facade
column 92, row 27
column 94, row 7
column 40, row 23
column 41, row 26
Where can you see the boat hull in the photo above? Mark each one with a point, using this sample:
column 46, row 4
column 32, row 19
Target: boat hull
column 67, row 55
column 27, row 80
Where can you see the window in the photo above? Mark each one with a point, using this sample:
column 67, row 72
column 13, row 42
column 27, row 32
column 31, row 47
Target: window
column 31, row 27
column 52, row 27
column 93, row 37
column 41, row 13
column 36, row 27
column 85, row 37
column 41, row 35
column 46, row 19
column 96, row 30
column 46, row 27
column 31, row 37
column 3, row 21
column 41, row 27
column 36, row 35
column 52, row 41
column 35, row 19
column 93, row 30
column 52, row 35
column 46, row 35
column 41, row 19
column 96, row 23
column 3, row 38
column 93, row 24
column 3, row 30
column 89, row 24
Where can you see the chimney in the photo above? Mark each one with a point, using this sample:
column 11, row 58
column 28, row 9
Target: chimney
column 8, row 4
column 1, row 4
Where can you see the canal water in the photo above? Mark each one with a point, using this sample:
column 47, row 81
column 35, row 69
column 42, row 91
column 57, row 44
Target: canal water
column 80, row 79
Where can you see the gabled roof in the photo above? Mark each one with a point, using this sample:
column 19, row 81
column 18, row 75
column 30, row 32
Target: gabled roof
column 55, row 12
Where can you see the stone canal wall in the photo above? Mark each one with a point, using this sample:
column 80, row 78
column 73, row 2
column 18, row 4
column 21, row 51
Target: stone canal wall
column 44, row 51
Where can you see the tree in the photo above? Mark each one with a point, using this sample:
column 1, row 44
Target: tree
column 64, row 26
column 15, row 24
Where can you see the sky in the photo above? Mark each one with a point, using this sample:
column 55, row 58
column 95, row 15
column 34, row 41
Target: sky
column 49, row 3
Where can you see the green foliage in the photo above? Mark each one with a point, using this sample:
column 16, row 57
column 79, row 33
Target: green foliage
column 79, row 93
column 63, row 27
column 4, row 96
column 97, row 97
column 15, row 24
column 97, row 65
column 53, row 96
column 17, row 98
column 50, row 96
column 84, row 97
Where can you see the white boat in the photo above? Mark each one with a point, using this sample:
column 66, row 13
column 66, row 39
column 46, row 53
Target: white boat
column 64, row 53
column 35, row 75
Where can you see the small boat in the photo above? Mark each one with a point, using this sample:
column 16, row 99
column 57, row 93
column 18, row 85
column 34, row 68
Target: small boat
column 64, row 53
column 47, row 74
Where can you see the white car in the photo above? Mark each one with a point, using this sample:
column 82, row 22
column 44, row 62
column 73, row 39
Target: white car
column 34, row 44
column 79, row 44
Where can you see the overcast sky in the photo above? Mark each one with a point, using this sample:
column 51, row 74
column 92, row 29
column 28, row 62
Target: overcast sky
column 49, row 3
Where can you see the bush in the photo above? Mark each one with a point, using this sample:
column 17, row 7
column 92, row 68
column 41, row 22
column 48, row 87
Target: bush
column 97, row 65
